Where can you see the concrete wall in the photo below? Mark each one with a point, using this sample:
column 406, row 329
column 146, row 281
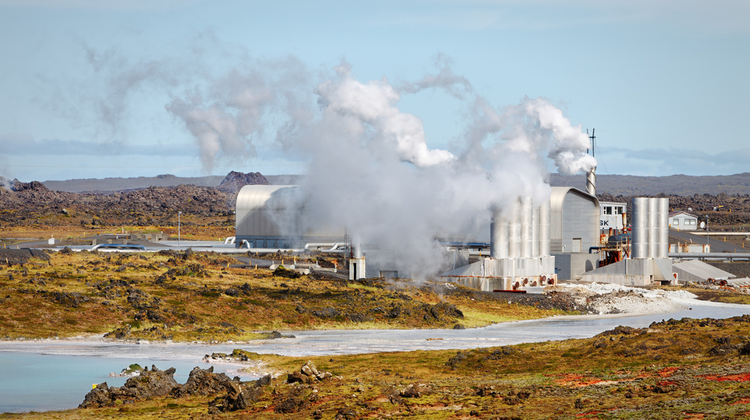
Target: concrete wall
column 572, row 266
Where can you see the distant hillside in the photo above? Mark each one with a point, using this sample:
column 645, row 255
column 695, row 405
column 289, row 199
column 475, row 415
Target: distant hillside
column 629, row 185
column 123, row 184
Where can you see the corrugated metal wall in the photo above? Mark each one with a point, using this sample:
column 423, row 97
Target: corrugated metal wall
column 580, row 220
column 574, row 220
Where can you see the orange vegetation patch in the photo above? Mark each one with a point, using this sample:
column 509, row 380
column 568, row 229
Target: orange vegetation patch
column 666, row 383
column 578, row 380
column 667, row 371
column 694, row 416
column 740, row 377
column 584, row 416
column 572, row 379
column 741, row 401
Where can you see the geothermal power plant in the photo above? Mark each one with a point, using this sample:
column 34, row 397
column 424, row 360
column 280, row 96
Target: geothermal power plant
column 531, row 244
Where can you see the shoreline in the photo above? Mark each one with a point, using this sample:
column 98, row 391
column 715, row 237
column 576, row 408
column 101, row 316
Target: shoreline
column 95, row 345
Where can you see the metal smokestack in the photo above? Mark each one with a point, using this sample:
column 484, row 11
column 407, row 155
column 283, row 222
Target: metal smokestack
column 498, row 235
column 639, row 221
column 527, row 239
column 662, row 224
column 591, row 182
column 544, row 242
column 514, row 231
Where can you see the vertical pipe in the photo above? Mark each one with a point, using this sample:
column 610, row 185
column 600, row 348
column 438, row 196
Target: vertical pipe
column 495, row 234
column 663, row 228
column 357, row 248
column 514, row 231
column 639, row 206
column 653, row 237
column 526, row 239
column 535, row 232
column 544, row 229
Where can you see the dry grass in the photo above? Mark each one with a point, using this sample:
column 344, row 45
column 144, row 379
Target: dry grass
column 201, row 298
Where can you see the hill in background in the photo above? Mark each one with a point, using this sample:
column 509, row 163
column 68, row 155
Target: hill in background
column 122, row 184
column 629, row 185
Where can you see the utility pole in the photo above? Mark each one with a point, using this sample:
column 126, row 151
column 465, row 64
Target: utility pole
column 707, row 241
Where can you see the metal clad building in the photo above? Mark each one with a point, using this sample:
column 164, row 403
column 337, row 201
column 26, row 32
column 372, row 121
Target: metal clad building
column 574, row 220
column 269, row 216
column 574, row 229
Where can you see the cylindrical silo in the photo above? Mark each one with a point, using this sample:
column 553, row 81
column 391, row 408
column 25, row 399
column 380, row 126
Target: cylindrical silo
column 526, row 239
column 639, row 224
column 653, row 231
column 535, row 232
column 544, row 229
column 514, row 230
column 498, row 236
column 662, row 225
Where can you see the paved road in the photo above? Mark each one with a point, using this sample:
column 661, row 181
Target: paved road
column 716, row 245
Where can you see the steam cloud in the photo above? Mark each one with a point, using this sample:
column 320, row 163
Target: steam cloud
column 370, row 168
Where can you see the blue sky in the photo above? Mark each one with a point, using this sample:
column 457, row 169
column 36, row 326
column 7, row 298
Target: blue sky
column 85, row 85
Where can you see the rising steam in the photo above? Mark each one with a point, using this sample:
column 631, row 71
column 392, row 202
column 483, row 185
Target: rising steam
column 369, row 167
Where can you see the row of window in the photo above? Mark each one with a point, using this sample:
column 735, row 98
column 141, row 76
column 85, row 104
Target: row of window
column 686, row 222
column 617, row 209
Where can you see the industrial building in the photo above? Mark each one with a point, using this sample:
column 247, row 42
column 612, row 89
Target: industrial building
column 532, row 245
column 574, row 231
column 649, row 261
column 613, row 216
column 519, row 251
column 268, row 217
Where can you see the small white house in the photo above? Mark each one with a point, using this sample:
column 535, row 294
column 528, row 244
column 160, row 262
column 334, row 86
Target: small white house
column 612, row 215
column 680, row 220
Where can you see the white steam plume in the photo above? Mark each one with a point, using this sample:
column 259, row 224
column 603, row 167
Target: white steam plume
column 370, row 169
column 233, row 115
column 457, row 86
column 371, row 105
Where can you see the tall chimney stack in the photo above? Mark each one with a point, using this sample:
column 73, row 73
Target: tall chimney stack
column 591, row 182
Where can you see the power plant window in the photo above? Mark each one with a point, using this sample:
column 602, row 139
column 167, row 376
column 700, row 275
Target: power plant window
column 608, row 210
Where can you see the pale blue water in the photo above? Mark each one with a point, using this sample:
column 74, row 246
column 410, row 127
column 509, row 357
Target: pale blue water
column 57, row 374
column 42, row 382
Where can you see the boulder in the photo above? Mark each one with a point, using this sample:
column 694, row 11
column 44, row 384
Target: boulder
column 149, row 384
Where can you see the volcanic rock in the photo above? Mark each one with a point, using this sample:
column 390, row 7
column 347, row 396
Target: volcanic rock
column 234, row 181
column 149, row 384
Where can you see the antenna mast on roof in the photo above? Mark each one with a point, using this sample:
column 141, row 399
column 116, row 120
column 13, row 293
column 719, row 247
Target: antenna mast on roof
column 591, row 175
column 593, row 141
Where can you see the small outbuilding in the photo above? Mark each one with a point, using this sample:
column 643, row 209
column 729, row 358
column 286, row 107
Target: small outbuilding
column 680, row 220
column 612, row 216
